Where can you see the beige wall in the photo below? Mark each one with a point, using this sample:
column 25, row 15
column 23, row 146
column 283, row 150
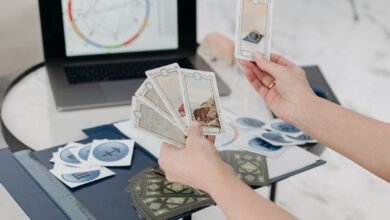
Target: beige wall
column 20, row 37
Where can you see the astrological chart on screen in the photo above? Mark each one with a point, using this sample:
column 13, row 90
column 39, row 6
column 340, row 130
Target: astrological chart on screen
column 94, row 27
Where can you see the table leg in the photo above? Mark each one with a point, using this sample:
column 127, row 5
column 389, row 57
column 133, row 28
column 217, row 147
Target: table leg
column 188, row 217
column 272, row 194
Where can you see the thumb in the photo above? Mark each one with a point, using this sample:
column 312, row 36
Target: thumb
column 195, row 130
column 269, row 67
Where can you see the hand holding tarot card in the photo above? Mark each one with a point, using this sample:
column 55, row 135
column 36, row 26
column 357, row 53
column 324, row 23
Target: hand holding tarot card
column 253, row 30
column 171, row 98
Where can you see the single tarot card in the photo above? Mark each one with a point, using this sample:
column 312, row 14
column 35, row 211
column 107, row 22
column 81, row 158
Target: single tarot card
column 148, row 120
column 251, row 168
column 82, row 152
column 249, row 122
column 66, row 157
column 158, row 208
column 148, row 93
column 283, row 127
column 166, row 81
column 253, row 28
column 278, row 138
column 303, row 137
column 111, row 153
column 74, row 177
column 201, row 100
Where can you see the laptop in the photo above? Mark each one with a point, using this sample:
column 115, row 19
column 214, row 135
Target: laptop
column 97, row 52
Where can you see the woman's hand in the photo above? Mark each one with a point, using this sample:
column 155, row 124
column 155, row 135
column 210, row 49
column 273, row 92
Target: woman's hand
column 281, row 83
column 198, row 164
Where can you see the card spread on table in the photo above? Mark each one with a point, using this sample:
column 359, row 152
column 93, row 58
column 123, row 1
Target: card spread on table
column 78, row 164
column 253, row 28
column 171, row 98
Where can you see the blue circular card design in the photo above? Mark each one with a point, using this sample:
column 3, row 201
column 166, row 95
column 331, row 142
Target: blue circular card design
column 302, row 137
column 285, row 127
column 110, row 151
column 84, row 152
column 68, row 157
column 275, row 137
column 81, row 177
column 250, row 122
column 260, row 144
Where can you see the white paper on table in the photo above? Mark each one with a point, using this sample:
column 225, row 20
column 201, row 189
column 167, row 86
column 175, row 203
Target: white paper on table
column 294, row 158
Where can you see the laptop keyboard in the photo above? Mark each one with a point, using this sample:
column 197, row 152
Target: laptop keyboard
column 117, row 71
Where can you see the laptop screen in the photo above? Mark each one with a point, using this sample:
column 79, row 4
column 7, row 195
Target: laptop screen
column 93, row 27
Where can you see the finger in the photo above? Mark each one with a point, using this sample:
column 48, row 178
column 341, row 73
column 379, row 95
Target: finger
column 195, row 130
column 264, row 77
column 256, row 84
column 281, row 60
column 270, row 67
column 168, row 149
column 211, row 139
column 244, row 63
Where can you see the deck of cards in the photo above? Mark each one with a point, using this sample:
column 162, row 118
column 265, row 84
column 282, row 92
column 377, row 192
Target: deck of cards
column 78, row 164
column 171, row 98
column 154, row 197
column 253, row 30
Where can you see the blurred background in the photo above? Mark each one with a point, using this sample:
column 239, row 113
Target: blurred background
column 348, row 39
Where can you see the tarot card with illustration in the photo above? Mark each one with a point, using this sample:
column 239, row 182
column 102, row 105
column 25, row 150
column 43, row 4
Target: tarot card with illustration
column 147, row 119
column 166, row 81
column 201, row 100
column 148, row 93
column 253, row 30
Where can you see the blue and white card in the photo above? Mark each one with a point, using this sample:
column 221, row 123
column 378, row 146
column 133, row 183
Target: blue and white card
column 278, row 138
column 74, row 177
column 111, row 153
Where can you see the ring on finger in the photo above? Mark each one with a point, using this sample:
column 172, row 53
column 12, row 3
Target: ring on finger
column 271, row 85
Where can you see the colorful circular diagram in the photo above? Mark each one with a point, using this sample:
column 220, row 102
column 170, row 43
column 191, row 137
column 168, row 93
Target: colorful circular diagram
column 84, row 34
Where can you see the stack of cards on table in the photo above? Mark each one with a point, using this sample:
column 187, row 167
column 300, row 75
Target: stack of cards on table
column 156, row 198
column 78, row 164
column 171, row 98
